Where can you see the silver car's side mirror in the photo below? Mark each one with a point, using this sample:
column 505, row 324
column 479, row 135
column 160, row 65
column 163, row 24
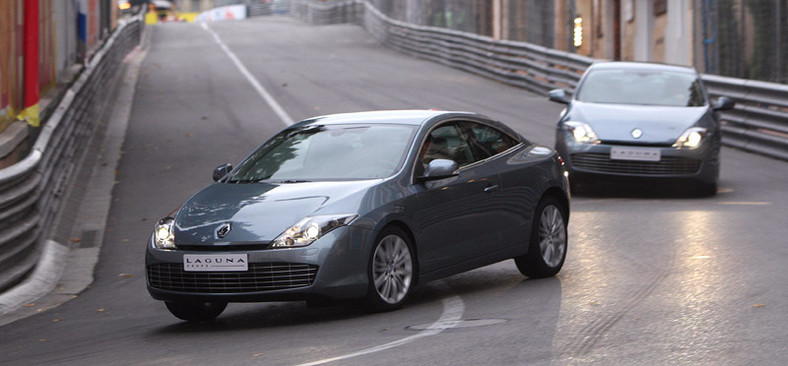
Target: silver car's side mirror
column 724, row 104
column 440, row 169
column 558, row 96
column 221, row 171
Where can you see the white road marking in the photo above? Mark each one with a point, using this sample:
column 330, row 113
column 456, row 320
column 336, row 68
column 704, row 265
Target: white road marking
column 252, row 80
column 453, row 308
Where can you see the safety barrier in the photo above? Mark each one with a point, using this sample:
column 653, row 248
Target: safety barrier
column 259, row 8
column 758, row 123
column 32, row 190
column 323, row 13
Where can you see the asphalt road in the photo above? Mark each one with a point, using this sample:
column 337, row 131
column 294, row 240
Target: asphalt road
column 651, row 277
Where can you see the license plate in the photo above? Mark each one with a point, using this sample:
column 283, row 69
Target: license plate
column 625, row 153
column 215, row 262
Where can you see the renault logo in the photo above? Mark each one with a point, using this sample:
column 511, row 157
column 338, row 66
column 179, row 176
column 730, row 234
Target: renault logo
column 636, row 133
column 223, row 230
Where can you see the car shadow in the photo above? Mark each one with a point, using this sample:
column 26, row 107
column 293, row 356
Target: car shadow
column 502, row 276
column 646, row 189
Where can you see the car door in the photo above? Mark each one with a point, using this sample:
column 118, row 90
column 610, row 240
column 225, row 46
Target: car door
column 457, row 216
column 514, row 195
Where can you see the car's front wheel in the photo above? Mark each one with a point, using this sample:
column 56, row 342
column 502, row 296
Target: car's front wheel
column 391, row 271
column 195, row 311
column 547, row 247
column 704, row 189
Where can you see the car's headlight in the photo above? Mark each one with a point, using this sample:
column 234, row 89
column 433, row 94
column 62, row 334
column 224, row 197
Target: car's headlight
column 308, row 230
column 691, row 138
column 582, row 132
column 163, row 236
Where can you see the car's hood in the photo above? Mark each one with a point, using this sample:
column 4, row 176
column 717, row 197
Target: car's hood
column 615, row 122
column 258, row 212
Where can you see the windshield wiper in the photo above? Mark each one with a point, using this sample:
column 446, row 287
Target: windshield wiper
column 240, row 181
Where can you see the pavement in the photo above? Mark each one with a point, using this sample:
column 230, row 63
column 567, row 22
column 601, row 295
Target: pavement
column 67, row 262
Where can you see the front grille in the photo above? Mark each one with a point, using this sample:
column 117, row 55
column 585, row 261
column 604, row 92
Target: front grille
column 259, row 277
column 668, row 165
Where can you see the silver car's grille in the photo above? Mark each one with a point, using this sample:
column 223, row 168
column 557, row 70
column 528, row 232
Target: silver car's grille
column 668, row 165
column 259, row 277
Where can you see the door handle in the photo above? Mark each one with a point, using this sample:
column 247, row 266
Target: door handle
column 492, row 188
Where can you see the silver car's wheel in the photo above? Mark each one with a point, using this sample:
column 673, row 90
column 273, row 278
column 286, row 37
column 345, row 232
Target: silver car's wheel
column 196, row 311
column 552, row 236
column 391, row 271
column 547, row 248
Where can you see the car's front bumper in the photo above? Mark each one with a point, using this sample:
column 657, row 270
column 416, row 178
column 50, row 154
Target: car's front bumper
column 334, row 266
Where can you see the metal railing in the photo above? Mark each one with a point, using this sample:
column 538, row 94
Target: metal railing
column 32, row 190
column 327, row 12
column 758, row 123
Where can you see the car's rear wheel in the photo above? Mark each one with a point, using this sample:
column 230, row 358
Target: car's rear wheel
column 195, row 311
column 391, row 271
column 548, row 244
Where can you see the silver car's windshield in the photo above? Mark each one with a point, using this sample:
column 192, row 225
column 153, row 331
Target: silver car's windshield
column 335, row 152
column 643, row 87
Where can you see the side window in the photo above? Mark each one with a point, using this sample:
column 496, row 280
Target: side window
column 446, row 142
column 486, row 141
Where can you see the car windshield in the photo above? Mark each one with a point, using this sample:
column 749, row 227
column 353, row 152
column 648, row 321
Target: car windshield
column 335, row 152
column 643, row 87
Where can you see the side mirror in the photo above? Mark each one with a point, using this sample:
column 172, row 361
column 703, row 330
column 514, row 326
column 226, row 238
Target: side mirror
column 221, row 171
column 558, row 96
column 440, row 169
column 724, row 104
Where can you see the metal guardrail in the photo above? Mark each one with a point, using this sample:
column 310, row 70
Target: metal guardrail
column 327, row 12
column 32, row 190
column 532, row 67
column 260, row 8
column 759, row 122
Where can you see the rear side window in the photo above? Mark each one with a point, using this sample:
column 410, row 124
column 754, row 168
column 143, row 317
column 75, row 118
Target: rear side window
column 486, row 141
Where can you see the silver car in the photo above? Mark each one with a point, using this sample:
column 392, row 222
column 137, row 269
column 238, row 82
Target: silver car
column 640, row 120
column 362, row 206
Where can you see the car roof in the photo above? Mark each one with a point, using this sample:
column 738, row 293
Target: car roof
column 628, row 65
column 413, row 117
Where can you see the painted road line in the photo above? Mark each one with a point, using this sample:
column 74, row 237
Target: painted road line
column 745, row 203
column 252, row 80
column 453, row 308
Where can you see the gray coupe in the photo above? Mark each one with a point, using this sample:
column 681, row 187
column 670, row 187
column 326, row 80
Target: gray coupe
column 362, row 206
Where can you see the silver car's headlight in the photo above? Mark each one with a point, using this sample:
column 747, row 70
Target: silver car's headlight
column 163, row 236
column 308, row 230
column 582, row 132
column 691, row 138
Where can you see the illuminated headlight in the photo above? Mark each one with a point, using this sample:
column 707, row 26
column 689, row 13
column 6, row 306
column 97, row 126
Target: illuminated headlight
column 308, row 230
column 163, row 237
column 691, row 138
column 582, row 132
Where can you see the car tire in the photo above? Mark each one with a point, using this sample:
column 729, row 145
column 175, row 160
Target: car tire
column 196, row 311
column 548, row 244
column 391, row 271
column 704, row 189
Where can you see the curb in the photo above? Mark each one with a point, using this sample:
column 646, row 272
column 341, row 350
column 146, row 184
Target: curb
column 55, row 281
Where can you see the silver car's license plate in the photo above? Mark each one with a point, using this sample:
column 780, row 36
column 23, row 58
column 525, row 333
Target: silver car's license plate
column 215, row 262
column 638, row 154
